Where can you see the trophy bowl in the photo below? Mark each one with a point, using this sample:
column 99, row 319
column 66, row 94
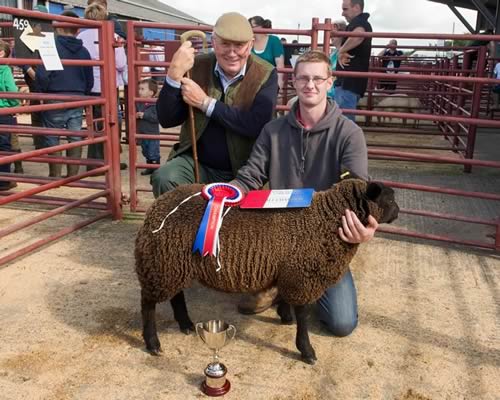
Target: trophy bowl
column 215, row 334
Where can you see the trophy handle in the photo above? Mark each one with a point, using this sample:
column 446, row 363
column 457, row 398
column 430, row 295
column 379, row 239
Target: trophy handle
column 233, row 329
column 199, row 331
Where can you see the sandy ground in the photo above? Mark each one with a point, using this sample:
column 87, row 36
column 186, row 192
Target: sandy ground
column 429, row 318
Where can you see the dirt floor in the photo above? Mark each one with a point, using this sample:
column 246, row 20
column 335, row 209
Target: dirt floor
column 429, row 317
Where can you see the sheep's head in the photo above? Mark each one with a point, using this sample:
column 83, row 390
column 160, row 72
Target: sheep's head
column 381, row 202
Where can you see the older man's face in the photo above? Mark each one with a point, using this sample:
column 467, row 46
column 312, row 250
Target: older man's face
column 231, row 56
column 349, row 12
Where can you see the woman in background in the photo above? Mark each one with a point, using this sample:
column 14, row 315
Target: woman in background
column 268, row 47
column 339, row 25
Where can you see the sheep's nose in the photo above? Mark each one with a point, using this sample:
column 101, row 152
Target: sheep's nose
column 394, row 215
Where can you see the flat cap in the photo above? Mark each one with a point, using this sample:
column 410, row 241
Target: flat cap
column 233, row 26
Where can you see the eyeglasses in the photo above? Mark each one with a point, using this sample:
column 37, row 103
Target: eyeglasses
column 304, row 80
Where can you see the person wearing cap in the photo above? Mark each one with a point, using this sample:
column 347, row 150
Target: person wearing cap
column 233, row 94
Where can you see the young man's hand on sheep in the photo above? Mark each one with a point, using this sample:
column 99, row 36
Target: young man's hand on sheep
column 353, row 231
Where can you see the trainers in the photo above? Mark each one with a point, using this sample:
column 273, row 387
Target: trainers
column 147, row 171
column 7, row 185
column 258, row 302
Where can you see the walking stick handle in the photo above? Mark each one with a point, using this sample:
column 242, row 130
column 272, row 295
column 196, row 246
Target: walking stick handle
column 194, row 33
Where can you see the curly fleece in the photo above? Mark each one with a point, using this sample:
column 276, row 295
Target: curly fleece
column 298, row 250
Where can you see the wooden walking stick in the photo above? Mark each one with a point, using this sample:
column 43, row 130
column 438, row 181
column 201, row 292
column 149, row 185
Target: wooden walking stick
column 185, row 36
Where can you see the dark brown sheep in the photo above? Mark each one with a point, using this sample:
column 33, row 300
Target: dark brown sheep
column 297, row 250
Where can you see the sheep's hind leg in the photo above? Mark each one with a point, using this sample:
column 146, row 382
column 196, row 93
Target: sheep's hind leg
column 149, row 332
column 302, row 339
column 285, row 313
column 180, row 313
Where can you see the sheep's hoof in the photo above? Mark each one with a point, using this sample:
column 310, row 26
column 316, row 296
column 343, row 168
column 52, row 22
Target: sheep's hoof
column 188, row 330
column 311, row 360
column 309, row 357
column 155, row 352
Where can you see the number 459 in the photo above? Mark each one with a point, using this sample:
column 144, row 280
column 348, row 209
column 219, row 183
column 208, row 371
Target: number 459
column 20, row 24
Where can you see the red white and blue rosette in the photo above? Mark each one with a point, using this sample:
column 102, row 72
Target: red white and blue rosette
column 218, row 196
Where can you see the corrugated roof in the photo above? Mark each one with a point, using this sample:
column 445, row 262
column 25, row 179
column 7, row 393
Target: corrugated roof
column 467, row 3
column 146, row 10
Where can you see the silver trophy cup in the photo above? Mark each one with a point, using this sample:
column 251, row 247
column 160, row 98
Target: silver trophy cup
column 215, row 334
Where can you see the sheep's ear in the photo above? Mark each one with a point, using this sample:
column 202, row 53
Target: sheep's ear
column 373, row 190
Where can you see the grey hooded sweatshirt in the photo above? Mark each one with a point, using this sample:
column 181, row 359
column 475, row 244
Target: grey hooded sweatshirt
column 288, row 156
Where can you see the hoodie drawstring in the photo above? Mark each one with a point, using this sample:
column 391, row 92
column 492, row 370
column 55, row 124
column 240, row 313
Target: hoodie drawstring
column 303, row 152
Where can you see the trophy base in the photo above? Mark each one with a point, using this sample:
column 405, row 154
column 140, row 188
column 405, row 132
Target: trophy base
column 215, row 391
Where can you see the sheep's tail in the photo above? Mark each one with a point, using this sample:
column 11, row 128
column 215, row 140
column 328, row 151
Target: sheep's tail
column 174, row 210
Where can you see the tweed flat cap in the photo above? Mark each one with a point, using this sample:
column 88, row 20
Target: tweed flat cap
column 233, row 26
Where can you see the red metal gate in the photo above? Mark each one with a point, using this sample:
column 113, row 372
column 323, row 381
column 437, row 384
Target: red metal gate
column 110, row 188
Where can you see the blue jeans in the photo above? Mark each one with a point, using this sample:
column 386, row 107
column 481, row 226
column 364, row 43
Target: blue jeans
column 338, row 307
column 69, row 118
column 150, row 149
column 5, row 143
column 346, row 99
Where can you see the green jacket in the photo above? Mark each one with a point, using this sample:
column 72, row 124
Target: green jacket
column 7, row 84
column 240, row 94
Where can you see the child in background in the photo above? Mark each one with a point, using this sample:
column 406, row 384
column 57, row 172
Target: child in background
column 76, row 80
column 147, row 123
column 7, row 84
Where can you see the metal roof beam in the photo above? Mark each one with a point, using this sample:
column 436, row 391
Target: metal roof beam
column 461, row 18
column 484, row 12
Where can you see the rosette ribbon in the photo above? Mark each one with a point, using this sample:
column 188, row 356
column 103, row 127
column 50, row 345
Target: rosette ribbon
column 218, row 196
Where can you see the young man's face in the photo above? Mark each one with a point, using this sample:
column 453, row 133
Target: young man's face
column 349, row 12
column 231, row 56
column 145, row 92
column 312, row 82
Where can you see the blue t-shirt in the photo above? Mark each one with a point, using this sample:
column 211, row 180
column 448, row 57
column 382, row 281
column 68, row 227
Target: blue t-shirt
column 273, row 50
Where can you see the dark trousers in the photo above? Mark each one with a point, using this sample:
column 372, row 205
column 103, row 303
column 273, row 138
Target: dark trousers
column 37, row 120
column 96, row 151
column 151, row 150
column 5, row 143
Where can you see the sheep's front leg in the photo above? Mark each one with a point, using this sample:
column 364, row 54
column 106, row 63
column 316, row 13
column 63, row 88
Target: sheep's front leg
column 178, row 303
column 149, row 326
column 302, row 338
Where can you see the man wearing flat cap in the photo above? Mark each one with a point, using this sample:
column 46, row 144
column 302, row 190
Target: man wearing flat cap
column 233, row 94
